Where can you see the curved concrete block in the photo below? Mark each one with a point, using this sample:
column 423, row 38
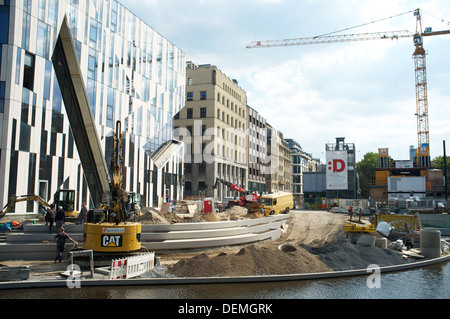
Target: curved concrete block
column 29, row 244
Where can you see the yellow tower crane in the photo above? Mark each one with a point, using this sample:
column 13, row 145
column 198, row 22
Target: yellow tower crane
column 419, row 54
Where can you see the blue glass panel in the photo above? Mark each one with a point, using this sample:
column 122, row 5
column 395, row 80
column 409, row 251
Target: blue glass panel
column 4, row 24
column 2, row 96
column 42, row 40
column 19, row 61
column 91, row 90
column 47, row 79
column 57, row 98
column 2, row 89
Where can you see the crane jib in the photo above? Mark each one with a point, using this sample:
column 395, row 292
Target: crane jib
column 332, row 39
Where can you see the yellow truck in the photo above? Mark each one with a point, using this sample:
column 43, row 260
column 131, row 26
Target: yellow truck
column 276, row 203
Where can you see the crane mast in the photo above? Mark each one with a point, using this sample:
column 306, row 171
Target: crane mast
column 423, row 139
column 419, row 65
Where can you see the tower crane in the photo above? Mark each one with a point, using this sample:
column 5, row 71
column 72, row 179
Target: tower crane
column 419, row 65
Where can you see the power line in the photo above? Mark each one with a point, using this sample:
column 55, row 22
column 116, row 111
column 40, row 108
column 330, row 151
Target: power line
column 364, row 24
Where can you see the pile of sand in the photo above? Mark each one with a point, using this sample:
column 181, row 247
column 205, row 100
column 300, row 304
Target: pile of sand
column 316, row 245
column 348, row 256
column 300, row 259
column 150, row 215
column 248, row 261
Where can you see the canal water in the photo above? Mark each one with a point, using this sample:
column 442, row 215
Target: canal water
column 432, row 282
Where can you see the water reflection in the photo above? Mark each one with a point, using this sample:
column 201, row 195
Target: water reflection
column 424, row 283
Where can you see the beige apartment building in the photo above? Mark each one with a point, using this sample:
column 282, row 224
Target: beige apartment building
column 257, row 151
column 284, row 173
column 278, row 169
column 213, row 126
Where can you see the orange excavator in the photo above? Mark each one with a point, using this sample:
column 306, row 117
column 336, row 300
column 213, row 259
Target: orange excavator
column 247, row 199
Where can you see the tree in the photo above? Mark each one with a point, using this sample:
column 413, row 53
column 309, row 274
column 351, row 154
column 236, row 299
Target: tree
column 366, row 169
column 438, row 162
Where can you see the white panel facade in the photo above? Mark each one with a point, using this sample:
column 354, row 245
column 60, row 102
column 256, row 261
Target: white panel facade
column 131, row 73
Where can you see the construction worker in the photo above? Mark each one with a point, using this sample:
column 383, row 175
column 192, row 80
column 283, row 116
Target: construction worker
column 60, row 240
column 50, row 216
column 60, row 218
column 83, row 214
column 350, row 212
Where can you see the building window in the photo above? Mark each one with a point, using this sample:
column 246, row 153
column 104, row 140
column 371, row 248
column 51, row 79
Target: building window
column 190, row 96
column 203, row 112
column 42, row 45
column 203, row 95
column 110, row 104
column 28, row 71
column 201, row 186
column 2, row 96
column 202, row 168
column 189, row 113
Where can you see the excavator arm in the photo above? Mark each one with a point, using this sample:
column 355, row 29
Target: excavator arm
column 22, row 198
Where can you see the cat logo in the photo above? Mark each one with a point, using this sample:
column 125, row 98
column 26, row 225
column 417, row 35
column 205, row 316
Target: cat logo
column 111, row 240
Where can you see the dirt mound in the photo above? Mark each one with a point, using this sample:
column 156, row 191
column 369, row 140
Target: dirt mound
column 150, row 215
column 315, row 243
column 249, row 261
column 347, row 256
column 238, row 210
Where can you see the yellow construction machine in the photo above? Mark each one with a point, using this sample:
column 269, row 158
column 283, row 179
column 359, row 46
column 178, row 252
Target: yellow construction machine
column 108, row 229
column 400, row 225
column 66, row 199
column 22, row 198
column 63, row 197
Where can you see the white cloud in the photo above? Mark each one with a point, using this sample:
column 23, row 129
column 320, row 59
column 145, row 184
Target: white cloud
column 364, row 91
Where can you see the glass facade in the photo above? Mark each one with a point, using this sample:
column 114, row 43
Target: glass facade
column 301, row 162
column 131, row 74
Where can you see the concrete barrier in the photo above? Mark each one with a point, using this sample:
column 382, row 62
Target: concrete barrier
column 14, row 273
column 29, row 244
column 366, row 240
column 216, row 280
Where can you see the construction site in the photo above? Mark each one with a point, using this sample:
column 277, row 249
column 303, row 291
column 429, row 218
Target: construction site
column 231, row 246
column 252, row 238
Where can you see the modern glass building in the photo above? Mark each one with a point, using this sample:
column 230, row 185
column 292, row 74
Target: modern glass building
column 301, row 162
column 69, row 70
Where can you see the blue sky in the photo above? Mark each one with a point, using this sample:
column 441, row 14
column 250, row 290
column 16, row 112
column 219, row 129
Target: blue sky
column 363, row 91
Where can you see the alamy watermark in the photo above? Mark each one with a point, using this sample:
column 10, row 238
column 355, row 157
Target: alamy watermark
column 374, row 279
column 73, row 280
column 204, row 145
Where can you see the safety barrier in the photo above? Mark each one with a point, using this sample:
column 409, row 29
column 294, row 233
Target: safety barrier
column 129, row 267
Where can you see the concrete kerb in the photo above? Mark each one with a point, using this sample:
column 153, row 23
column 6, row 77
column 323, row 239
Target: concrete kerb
column 218, row 280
